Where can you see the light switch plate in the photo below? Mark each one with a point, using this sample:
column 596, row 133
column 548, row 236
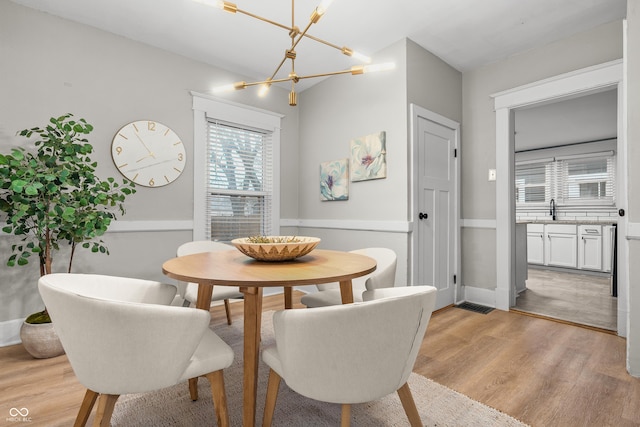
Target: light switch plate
column 492, row 174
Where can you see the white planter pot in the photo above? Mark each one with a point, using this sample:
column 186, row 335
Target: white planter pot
column 41, row 340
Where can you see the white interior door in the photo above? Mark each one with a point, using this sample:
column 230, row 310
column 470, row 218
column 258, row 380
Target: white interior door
column 436, row 208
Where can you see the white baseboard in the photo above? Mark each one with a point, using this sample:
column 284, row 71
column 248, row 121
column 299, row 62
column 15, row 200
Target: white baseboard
column 486, row 297
column 10, row 332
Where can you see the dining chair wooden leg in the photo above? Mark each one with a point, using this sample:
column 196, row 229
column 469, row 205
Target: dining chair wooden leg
column 345, row 420
column 106, row 403
column 193, row 388
column 85, row 409
column 288, row 297
column 216, row 379
column 409, row 406
column 272, row 395
column 227, row 309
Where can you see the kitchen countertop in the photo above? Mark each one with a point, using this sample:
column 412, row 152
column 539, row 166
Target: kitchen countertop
column 562, row 221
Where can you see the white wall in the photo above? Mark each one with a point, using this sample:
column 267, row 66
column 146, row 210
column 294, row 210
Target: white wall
column 50, row 66
column 632, row 57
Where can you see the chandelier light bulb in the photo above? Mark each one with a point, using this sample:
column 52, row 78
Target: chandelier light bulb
column 220, row 4
column 323, row 6
column 229, row 87
column 374, row 68
column 264, row 89
column 361, row 57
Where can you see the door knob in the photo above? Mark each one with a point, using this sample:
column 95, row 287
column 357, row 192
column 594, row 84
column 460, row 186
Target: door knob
column 422, row 215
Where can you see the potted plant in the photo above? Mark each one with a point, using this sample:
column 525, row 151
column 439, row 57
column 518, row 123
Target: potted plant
column 52, row 197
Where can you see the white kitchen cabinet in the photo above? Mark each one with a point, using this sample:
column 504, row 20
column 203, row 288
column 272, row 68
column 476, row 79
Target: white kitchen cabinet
column 561, row 248
column 590, row 247
column 580, row 246
column 535, row 244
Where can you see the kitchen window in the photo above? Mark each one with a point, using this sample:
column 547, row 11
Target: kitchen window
column 587, row 179
column 532, row 182
column 236, row 179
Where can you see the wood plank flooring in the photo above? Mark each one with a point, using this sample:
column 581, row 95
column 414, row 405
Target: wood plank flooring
column 578, row 298
column 542, row 372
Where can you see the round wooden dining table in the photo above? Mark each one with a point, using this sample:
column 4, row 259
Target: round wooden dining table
column 232, row 268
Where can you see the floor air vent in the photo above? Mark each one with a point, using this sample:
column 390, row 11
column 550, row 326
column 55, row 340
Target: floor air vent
column 477, row 308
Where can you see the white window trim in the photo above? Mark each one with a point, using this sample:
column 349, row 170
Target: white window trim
column 205, row 106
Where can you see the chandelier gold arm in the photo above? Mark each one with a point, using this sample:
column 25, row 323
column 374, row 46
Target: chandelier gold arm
column 296, row 36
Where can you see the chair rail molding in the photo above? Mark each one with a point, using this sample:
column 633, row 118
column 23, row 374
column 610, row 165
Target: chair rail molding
column 339, row 224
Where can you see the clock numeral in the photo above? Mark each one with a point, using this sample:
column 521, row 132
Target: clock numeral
column 122, row 136
column 151, row 126
column 135, row 127
column 180, row 157
column 118, row 150
column 151, row 182
column 166, row 179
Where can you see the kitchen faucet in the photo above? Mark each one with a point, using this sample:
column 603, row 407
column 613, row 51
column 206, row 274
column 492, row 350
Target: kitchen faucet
column 552, row 209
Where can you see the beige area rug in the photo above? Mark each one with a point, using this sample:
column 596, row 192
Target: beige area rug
column 437, row 404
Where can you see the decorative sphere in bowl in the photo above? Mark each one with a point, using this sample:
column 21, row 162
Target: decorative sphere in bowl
column 275, row 248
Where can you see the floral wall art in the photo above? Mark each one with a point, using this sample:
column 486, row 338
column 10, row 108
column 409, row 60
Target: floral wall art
column 334, row 180
column 369, row 157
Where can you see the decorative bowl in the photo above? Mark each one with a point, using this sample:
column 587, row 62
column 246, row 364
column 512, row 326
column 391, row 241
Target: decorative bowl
column 275, row 248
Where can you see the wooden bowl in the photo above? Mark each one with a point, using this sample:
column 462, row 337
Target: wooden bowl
column 285, row 251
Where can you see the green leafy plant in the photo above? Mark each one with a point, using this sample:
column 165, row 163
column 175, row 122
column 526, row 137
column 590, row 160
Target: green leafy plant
column 53, row 196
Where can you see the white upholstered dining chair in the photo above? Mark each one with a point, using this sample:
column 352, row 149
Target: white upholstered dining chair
column 384, row 276
column 352, row 353
column 189, row 291
column 122, row 337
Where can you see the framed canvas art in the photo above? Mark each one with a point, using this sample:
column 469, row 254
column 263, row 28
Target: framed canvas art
column 334, row 180
column 369, row 157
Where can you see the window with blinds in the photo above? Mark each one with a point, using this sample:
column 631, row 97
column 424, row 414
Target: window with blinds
column 589, row 178
column 239, row 182
column 578, row 180
column 533, row 184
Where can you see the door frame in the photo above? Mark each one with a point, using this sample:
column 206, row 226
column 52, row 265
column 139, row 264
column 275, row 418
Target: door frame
column 574, row 84
column 417, row 112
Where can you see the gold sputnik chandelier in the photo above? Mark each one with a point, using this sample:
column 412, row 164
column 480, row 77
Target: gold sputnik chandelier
column 290, row 53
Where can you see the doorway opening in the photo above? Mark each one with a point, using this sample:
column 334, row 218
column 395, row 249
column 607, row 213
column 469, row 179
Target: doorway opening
column 571, row 85
column 565, row 176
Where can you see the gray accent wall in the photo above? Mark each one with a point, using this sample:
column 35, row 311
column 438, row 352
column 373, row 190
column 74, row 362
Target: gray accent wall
column 340, row 109
column 600, row 45
column 51, row 66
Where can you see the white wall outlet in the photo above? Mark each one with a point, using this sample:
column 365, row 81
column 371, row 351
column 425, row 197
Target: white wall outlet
column 492, row 174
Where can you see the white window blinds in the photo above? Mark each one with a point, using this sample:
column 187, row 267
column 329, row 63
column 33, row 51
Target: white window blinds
column 587, row 179
column 239, row 182
column 533, row 183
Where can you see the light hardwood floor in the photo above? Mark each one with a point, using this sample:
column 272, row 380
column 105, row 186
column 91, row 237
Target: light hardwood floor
column 541, row 372
column 579, row 298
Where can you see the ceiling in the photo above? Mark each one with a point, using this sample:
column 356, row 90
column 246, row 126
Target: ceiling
column 464, row 33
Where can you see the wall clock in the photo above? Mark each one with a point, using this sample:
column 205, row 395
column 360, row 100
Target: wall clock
column 148, row 153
